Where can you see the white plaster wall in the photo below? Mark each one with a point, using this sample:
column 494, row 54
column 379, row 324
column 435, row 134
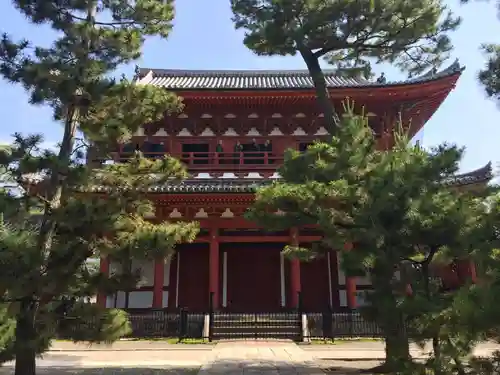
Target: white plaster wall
column 146, row 268
column 120, row 301
column 165, row 298
column 166, row 272
column 360, row 298
column 137, row 300
column 140, row 300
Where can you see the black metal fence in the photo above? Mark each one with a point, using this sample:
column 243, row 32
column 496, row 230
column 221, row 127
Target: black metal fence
column 338, row 325
column 184, row 326
column 181, row 325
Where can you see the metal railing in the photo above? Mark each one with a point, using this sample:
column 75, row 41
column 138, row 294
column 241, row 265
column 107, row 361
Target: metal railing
column 219, row 160
column 186, row 326
column 254, row 325
column 181, row 325
column 331, row 325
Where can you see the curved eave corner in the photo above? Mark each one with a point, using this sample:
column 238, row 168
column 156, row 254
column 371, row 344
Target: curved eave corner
column 202, row 80
column 480, row 176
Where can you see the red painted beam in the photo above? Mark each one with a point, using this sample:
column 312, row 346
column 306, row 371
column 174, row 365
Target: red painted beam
column 257, row 239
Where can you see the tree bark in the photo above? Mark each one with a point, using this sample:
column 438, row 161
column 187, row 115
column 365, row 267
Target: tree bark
column 436, row 347
column 397, row 346
column 57, row 181
column 25, row 347
column 322, row 93
column 27, row 339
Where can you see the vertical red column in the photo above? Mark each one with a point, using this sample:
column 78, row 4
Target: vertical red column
column 294, row 272
column 159, row 275
column 104, row 269
column 214, row 267
column 350, row 289
column 350, row 285
column 466, row 270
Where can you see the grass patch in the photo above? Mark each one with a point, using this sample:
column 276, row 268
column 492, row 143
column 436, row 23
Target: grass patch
column 341, row 341
column 166, row 340
column 172, row 340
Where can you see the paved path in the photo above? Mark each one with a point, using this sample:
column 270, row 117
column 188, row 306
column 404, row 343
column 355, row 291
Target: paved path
column 342, row 350
column 259, row 357
column 125, row 359
column 376, row 350
column 226, row 358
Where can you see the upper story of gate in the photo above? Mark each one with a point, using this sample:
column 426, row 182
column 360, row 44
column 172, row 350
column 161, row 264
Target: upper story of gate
column 239, row 123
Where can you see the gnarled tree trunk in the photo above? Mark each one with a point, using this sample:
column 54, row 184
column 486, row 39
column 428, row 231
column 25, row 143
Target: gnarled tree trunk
column 322, row 93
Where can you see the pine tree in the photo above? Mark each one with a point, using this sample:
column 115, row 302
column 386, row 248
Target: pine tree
column 473, row 315
column 350, row 35
column 73, row 77
column 87, row 225
column 489, row 76
column 397, row 210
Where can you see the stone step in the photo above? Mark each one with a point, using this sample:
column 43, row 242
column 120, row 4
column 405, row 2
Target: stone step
column 257, row 329
column 258, row 326
column 274, row 321
column 258, row 317
column 252, row 336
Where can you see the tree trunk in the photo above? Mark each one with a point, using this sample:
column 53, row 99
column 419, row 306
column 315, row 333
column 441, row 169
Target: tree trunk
column 436, row 348
column 397, row 346
column 322, row 93
column 25, row 347
column 57, row 183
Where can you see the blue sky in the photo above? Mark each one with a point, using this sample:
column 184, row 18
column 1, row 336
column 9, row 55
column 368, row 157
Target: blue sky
column 204, row 38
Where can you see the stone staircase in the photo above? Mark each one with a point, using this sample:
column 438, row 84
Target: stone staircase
column 250, row 326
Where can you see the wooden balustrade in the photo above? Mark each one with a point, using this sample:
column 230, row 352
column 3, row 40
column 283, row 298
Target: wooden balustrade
column 219, row 160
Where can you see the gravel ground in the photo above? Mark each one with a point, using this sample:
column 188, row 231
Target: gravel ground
column 109, row 371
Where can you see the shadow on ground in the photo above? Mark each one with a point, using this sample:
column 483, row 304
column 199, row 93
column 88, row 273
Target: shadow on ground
column 346, row 367
column 110, row 371
column 284, row 368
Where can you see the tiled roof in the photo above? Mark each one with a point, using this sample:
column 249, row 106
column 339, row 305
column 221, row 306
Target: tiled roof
column 206, row 186
column 479, row 176
column 174, row 79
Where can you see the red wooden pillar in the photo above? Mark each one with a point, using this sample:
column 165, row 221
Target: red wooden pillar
column 350, row 285
column 294, row 272
column 159, row 275
column 466, row 270
column 104, row 269
column 214, row 267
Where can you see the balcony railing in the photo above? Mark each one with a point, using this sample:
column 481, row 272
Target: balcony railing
column 221, row 160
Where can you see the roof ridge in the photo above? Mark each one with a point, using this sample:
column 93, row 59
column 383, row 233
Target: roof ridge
column 235, row 72
column 194, row 79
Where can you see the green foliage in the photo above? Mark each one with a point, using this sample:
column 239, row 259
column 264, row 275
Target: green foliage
column 350, row 35
column 398, row 210
column 90, row 323
column 44, row 257
column 7, row 331
column 490, row 75
column 410, row 34
column 87, row 226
